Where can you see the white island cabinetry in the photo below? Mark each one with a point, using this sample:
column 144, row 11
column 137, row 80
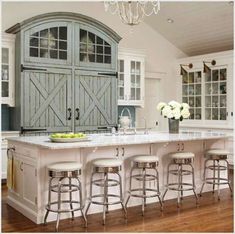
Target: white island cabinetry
column 32, row 155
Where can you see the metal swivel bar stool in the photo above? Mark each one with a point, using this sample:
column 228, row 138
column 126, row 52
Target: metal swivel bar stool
column 181, row 160
column 58, row 172
column 106, row 166
column 216, row 156
column 144, row 163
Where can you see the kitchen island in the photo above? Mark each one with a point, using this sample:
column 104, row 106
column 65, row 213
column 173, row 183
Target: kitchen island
column 31, row 155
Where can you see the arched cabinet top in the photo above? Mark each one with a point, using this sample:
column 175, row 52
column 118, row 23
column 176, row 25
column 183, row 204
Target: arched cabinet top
column 65, row 16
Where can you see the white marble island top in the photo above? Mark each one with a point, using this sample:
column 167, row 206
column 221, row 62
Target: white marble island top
column 102, row 140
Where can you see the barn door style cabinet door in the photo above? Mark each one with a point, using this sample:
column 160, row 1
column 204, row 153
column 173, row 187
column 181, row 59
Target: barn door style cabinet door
column 210, row 93
column 8, row 70
column 131, row 70
column 68, row 68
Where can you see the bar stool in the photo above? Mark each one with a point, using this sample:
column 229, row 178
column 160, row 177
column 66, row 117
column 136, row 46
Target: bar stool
column 59, row 172
column 106, row 166
column 216, row 156
column 181, row 160
column 144, row 162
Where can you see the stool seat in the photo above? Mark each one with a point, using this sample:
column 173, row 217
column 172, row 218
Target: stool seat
column 65, row 166
column 107, row 162
column 217, row 152
column 182, row 155
column 145, row 159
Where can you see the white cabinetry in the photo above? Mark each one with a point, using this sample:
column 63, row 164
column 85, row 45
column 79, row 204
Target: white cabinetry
column 131, row 70
column 209, row 93
column 4, row 150
column 8, row 70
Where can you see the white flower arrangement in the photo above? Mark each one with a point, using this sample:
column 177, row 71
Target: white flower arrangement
column 174, row 110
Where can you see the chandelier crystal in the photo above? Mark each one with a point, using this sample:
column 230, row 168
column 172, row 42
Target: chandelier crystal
column 132, row 12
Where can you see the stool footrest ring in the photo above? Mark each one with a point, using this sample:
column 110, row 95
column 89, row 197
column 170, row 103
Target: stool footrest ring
column 48, row 207
column 148, row 177
column 176, row 188
column 101, row 182
column 156, row 193
column 184, row 172
column 105, row 203
column 216, row 168
column 74, row 188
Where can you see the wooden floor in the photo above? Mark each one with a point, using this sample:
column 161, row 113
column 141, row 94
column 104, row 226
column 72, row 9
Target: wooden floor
column 210, row 216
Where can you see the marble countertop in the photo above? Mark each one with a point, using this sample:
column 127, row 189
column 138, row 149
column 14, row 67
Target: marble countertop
column 101, row 140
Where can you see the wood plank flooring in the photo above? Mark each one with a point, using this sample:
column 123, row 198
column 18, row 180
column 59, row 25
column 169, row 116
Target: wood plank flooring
column 210, row 216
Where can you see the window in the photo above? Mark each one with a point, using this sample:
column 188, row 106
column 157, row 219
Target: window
column 49, row 43
column 93, row 48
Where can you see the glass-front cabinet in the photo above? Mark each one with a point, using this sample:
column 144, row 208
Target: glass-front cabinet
column 210, row 93
column 49, row 43
column 8, row 70
column 216, row 94
column 192, row 93
column 130, row 79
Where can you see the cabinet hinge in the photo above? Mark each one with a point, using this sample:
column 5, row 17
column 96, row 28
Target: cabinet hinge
column 36, row 200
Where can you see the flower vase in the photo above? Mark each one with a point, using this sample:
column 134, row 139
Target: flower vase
column 173, row 125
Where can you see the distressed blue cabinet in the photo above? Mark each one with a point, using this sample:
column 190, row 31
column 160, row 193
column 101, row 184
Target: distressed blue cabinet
column 95, row 102
column 66, row 69
column 47, row 99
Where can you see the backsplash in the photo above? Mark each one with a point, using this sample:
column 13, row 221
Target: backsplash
column 5, row 118
column 132, row 111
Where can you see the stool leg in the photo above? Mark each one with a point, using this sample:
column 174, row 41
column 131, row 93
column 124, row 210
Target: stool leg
column 157, row 180
column 59, row 204
column 107, row 199
column 121, row 196
column 213, row 176
column 81, row 204
column 179, row 185
column 204, row 177
column 104, row 199
column 144, row 191
column 194, row 186
column 181, row 182
column 90, row 198
column 49, row 200
column 130, row 187
column 70, row 198
column 229, row 181
column 167, row 181
column 218, row 163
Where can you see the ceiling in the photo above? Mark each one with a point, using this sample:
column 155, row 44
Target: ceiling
column 198, row 28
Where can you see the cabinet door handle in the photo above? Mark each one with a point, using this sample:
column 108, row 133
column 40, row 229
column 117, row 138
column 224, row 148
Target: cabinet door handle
column 117, row 154
column 78, row 113
column 178, row 149
column 21, row 166
column 123, row 151
column 182, row 144
column 231, row 113
column 70, row 113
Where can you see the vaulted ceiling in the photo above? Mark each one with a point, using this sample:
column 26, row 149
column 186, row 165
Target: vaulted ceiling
column 198, row 27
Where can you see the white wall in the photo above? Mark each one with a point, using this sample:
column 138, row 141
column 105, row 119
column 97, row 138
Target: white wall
column 161, row 55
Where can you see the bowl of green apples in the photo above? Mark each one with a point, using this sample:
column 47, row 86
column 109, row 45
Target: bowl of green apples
column 68, row 137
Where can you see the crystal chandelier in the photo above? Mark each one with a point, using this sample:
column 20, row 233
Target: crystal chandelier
column 132, row 12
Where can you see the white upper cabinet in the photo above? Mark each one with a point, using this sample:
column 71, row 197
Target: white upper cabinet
column 209, row 93
column 8, row 70
column 131, row 70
